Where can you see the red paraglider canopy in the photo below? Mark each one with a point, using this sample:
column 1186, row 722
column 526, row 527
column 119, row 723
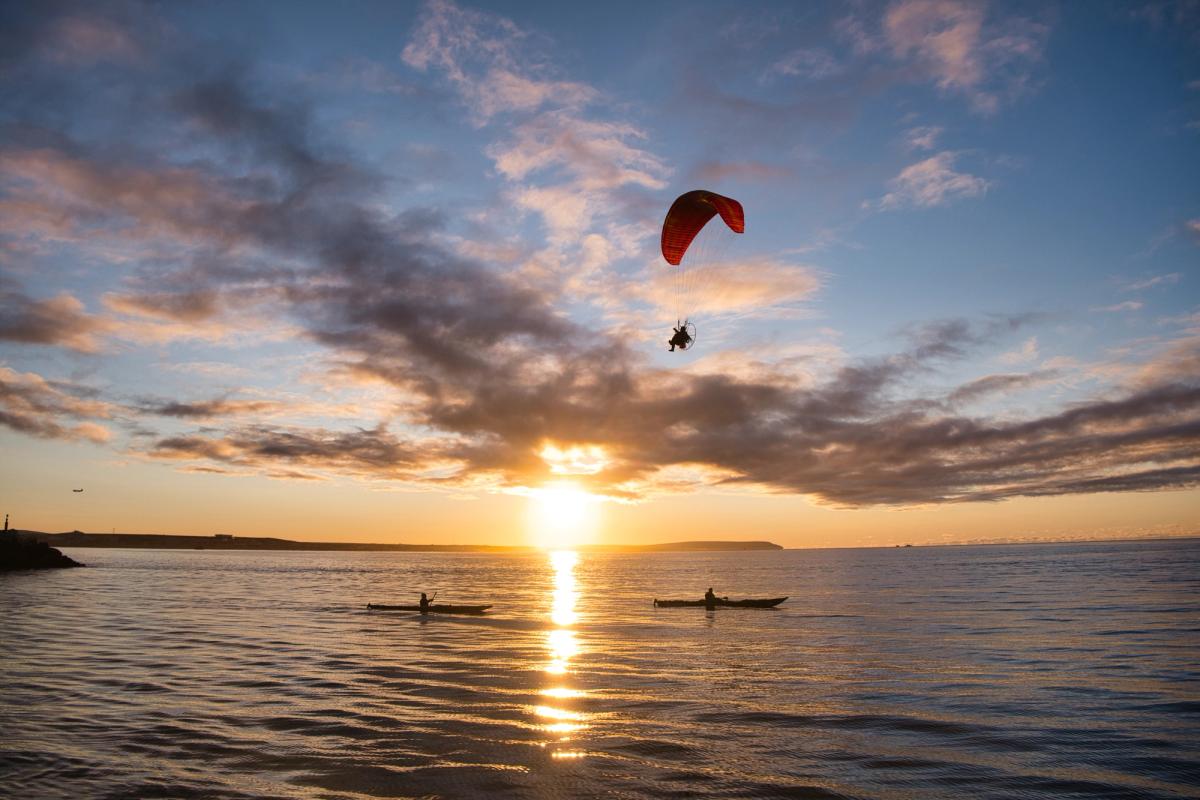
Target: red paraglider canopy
column 689, row 213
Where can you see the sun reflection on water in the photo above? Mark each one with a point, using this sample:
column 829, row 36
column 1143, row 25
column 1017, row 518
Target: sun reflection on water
column 562, row 646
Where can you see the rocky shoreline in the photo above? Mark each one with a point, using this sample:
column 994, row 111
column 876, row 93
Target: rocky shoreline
column 24, row 552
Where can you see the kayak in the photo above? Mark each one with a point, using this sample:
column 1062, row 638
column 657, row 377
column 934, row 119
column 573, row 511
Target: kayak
column 768, row 603
column 433, row 609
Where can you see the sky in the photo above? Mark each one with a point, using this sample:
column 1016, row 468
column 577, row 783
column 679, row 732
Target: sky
column 391, row 271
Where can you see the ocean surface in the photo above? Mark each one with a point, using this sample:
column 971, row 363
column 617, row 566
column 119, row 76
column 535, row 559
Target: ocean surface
column 1040, row 671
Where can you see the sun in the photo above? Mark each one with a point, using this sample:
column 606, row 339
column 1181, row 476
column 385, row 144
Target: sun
column 562, row 514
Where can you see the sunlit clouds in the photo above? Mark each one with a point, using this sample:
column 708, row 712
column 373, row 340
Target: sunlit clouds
column 51, row 410
column 575, row 459
column 747, row 285
column 429, row 262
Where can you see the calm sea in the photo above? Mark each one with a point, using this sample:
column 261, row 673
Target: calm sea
column 1006, row 672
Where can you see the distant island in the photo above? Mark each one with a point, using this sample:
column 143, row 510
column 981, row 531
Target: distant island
column 224, row 541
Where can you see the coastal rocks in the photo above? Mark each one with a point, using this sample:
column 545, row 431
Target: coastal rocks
column 21, row 552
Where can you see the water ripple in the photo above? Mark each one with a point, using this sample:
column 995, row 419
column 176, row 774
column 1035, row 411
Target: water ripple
column 1033, row 672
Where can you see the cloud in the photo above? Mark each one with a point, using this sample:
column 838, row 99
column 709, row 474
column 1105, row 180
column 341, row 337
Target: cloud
column 1177, row 362
column 932, row 182
column 85, row 39
column 943, row 33
column 1178, row 17
column 1028, row 351
column 810, row 63
column 369, row 76
column 1192, row 226
column 67, row 196
column 187, row 306
column 717, row 172
column 486, row 57
column 954, row 43
column 505, row 91
column 923, row 137
column 208, row 409
column 990, row 385
column 566, row 212
column 1154, row 280
column 61, row 320
column 854, row 31
column 373, row 453
column 1128, row 305
column 754, row 286
column 214, row 369
column 596, row 154
column 32, row 405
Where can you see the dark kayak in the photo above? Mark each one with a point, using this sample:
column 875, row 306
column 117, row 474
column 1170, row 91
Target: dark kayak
column 768, row 603
column 433, row 609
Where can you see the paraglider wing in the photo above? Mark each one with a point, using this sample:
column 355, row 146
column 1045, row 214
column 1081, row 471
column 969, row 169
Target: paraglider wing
column 689, row 213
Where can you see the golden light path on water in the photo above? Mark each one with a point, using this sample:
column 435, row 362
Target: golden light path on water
column 560, row 720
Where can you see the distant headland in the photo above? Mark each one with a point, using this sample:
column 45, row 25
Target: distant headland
column 222, row 541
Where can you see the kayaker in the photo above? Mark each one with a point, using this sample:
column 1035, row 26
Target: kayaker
column 424, row 603
column 710, row 599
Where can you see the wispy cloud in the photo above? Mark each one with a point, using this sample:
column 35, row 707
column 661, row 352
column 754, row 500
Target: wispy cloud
column 82, row 39
column 1178, row 360
column 1001, row 384
column 719, row 172
column 596, row 154
column 1154, row 280
column 932, row 182
column 1192, row 226
column 1028, row 351
column 1128, row 305
column 754, row 286
column 923, row 137
column 962, row 51
column 374, row 454
column 810, row 63
column 208, row 409
column 487, row 58
column 187, row 306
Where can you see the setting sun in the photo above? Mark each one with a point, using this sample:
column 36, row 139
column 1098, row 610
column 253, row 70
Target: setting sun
column 563, row 515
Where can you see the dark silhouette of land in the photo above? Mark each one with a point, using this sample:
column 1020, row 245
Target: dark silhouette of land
column 156, row 541
column 26, row 552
